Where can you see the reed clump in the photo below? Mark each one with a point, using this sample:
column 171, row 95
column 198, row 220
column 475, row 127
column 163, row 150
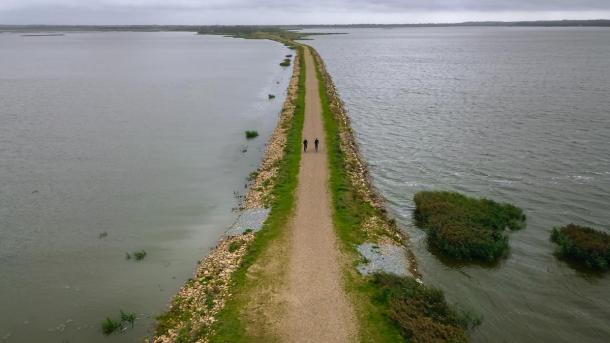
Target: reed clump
column 583, row 245
column 250, row 134
column 466, row 228
column 421, row 312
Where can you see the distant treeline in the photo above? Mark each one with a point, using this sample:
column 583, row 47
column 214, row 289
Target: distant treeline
column 241, row 29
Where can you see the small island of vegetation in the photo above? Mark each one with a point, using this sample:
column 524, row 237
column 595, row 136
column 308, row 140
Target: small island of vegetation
column 250, row 134
column 466, row 228
column 583, row 245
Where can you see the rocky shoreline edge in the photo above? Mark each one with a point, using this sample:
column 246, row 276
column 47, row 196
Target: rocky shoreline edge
column 381, row 230
column 195, row 306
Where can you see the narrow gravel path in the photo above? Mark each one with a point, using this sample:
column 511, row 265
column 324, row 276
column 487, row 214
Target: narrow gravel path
column 318, row 309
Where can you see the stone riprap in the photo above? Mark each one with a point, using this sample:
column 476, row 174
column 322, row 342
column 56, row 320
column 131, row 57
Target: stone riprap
column 383, row 258
column 251, row 219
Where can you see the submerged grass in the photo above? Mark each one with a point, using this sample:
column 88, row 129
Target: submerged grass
column 467, row 228
column 229, row 325
column 583, row 245
column 110, row 325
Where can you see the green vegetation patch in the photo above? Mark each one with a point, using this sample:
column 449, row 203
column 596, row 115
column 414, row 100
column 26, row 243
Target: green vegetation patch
column 110, row 325
column 250, row 134
column 235, row 245
column 584, row 245
column 285, row 62
column 467, row 228
column 421, row 312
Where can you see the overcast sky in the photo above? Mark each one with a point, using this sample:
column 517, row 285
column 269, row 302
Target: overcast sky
column 207, row 12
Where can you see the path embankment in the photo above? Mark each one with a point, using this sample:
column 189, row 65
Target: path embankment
column 303, row 277
column 318, row 309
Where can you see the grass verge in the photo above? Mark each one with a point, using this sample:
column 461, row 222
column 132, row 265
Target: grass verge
column 583, row 245
column 465, row 228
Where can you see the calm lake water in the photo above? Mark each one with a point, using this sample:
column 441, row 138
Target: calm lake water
column 138, row 135
column 515, row 114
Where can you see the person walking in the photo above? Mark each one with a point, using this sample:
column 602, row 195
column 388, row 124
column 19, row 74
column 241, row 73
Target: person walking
column 305, row 145
column 316, row 143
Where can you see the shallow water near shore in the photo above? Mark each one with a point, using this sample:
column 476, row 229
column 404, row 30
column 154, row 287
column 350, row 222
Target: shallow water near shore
column 117, row 142
column 515, row 114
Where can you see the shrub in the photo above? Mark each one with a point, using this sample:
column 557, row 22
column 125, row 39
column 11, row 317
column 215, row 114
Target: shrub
column 251, row 134
column 466, row 228
column 421, row 312
column 583, row 245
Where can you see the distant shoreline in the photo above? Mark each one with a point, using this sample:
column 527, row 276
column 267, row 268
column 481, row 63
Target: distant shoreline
column 197, row 28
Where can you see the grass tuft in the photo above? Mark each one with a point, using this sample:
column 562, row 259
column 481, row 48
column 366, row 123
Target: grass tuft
column 466, row 228
column 583, row 245
column 139, row 255
column 250, row 134
column 109, row 326
column 128, row 318
column 235, row 245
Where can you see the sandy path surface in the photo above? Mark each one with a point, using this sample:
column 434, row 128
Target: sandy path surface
column 317, row 308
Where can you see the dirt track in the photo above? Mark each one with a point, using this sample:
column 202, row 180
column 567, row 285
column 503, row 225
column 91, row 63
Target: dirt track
column 318, row 309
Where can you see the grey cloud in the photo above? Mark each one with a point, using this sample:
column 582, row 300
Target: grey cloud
column 380, row 5
column 291, row 11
